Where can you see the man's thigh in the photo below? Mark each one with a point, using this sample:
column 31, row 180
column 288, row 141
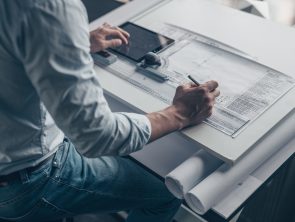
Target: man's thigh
column 104, row 184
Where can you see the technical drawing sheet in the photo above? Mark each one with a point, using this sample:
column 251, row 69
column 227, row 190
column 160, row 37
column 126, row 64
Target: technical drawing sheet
column 247, row 87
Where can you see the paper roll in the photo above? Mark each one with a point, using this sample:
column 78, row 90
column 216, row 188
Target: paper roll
column 191, row 172
column 282, row 11
column 216, row 186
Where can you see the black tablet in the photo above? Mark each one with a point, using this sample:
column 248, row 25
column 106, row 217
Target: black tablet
column 141, row 42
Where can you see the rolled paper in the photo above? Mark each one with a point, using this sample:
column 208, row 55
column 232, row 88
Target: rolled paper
column 191, row 172
column 217, row 185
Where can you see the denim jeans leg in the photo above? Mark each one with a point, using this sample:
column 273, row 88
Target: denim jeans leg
column 109, row 184
column 70, row 184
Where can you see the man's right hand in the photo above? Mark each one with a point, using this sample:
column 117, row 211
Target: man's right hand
column 191, row 105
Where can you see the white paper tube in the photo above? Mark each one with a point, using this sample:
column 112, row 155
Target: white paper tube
column 282, row 11
column 191, row 172
column 216, row 186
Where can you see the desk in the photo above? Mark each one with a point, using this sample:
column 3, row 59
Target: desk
column 219, row 25
column 163, row 155
column 273, row 38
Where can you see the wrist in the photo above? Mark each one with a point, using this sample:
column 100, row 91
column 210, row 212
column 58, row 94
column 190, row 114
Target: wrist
column 166, row 121
column 175, row 117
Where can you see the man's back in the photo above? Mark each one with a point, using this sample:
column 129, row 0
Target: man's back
column 27, row 131
column 45, row 61
column 45, row 64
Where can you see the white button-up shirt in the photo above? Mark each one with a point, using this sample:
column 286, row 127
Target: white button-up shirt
column 48, row 88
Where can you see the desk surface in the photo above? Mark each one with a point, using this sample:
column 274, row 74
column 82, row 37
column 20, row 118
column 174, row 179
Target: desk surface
column 253, row 35
column 243, row 38
column 164, row 155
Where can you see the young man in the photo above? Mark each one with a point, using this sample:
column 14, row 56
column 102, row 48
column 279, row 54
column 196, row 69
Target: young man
column 49, row 91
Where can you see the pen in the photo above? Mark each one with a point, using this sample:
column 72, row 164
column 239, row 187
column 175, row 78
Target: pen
column 193, row 80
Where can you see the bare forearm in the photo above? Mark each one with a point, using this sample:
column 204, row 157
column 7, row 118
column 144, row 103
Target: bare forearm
column 164, row 122
column 191, row 105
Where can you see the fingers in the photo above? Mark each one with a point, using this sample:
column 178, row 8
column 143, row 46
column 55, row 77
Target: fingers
column 126, row 34
column 111, row 43
column 115, row 34
column 195, row 103
column 205, row 113
column 206, row 97
column 99, row 40
column 202, row 91
column 211, row 85
column 216, row 93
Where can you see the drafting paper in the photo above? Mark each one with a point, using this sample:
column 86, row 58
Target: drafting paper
column 247, row 88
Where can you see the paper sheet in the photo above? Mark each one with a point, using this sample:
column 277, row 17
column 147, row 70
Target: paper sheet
column 247, row 87
column 221, row 182
column 191, row 172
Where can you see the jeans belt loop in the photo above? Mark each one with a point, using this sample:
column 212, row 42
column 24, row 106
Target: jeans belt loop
column 58, row 155
column 24, row 176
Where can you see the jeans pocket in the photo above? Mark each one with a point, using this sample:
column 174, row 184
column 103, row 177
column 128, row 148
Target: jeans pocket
column 41, row 211
column 49, row 210
column 45, row 166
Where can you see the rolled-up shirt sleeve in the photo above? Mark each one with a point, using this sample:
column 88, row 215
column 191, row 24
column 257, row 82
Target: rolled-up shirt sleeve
column 53, row 45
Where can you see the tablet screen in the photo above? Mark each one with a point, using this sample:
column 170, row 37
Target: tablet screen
column 141, row 42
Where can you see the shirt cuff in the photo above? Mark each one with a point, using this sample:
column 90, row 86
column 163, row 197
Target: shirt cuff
column 142, row 123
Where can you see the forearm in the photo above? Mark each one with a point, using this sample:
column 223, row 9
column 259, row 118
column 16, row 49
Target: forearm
column 165, row 122
column 120, row 134
column 191, row 105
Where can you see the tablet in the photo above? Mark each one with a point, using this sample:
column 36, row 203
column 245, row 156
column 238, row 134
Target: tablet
column 141, row 42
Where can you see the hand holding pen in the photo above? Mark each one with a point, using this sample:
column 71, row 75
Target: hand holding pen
column 194, row 101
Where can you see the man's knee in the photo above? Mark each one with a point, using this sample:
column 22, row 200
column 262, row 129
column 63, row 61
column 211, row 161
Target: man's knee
column 175, row 203
column 170, row 202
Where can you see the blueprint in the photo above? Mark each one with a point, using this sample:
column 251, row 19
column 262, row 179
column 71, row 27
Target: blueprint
column 247, row 87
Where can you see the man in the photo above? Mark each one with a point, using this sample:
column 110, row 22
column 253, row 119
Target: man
column 49, row 91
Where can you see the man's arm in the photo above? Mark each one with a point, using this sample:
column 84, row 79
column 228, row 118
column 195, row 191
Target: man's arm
column 54, row 49
column 191, row 105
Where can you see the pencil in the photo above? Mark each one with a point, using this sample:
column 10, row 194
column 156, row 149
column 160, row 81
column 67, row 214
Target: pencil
column 193, row 80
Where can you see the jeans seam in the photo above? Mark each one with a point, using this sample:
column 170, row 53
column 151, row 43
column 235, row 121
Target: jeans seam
column 38, row 204
column 98, row 193
column 69, row 185
column 56, row 207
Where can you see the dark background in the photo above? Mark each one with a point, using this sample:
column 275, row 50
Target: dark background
column 98, row 8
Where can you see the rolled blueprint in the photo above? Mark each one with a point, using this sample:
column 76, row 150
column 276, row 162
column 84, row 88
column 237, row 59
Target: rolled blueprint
column 191, row 172
column 220, row 183
column 276, row 10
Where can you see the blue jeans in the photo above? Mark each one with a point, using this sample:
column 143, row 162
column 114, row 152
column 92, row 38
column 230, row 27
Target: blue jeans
column 70, row 184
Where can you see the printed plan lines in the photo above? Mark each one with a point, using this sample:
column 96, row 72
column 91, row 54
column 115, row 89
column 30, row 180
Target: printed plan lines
column 247, row 88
